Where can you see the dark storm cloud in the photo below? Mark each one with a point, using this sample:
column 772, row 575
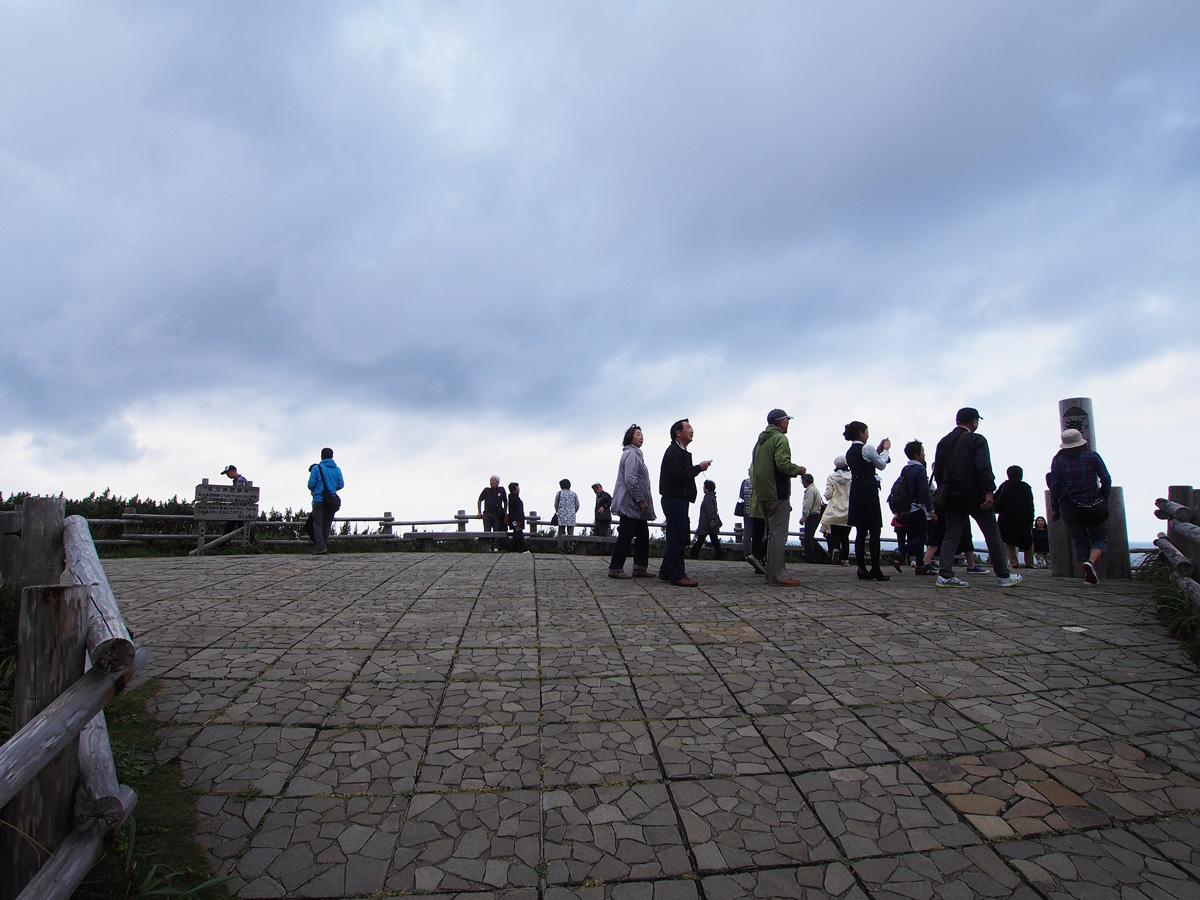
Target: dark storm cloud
column 425, row 206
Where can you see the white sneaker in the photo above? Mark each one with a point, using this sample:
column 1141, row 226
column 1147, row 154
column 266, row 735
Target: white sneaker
column 952, row 581
column 1089, row 574
column 756, row 565
column 1013, row 578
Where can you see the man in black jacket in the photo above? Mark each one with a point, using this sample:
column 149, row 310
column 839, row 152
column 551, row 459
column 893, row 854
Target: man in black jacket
column 677, row 487
column 962, row 467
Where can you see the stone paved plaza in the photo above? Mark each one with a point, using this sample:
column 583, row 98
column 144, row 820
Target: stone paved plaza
column 501, row 726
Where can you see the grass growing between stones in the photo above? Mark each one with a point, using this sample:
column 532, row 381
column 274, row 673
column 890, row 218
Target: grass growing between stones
column 156, row 853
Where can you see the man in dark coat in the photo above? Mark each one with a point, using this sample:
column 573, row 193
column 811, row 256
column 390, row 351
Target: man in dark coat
column 677, row 487
column 962, row 467
column 603, row 519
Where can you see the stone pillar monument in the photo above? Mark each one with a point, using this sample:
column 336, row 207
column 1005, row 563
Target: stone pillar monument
column 1076, row 412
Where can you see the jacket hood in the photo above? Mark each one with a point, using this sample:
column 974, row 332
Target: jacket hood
column 768, row 431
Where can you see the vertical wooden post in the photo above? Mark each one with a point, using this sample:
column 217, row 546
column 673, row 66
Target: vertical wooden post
column 1062, row 549
column 531, row 523
column 200, row 538
column 42, row 556
column 53, row 635
column 462, row 517
column 387, row 523
column 130, row 525
column 10, row 570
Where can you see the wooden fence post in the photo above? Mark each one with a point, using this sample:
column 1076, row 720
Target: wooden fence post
column 461, row 517
column 50, row 658
column 1184, row 496
column 42, row 557
column 387, row 523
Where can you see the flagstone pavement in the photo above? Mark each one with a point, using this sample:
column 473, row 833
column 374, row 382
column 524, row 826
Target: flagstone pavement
column 515, row 727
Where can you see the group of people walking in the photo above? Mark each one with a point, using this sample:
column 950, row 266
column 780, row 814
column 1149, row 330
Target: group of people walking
column 934, row 509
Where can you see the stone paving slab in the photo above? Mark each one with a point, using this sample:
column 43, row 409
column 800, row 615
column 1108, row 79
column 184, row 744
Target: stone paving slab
column 495, row 727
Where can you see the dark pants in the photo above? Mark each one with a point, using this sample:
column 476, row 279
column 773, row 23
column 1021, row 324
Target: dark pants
column 1087, row 536
column 758, row 538
column 699, row 544
column 635, row 532
column 864, row 537
column 839, row 540
column 956, row 519
column 518, row 539
column 323, row 514
column 812, row 548
column 493, row 522
column 603, row 528
column 675, row 511
column 916, row 530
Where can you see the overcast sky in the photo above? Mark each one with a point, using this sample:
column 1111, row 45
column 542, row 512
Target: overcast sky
column 457, row 239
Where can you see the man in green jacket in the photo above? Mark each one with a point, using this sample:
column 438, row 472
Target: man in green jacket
column 771, row 474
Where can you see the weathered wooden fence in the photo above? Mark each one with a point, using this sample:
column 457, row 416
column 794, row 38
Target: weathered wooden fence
column 1180, row 545
column 59, row 795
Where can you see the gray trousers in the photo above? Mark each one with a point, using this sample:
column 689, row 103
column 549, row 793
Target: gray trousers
column 956, row 519
column 322, row 523
column 777, row 513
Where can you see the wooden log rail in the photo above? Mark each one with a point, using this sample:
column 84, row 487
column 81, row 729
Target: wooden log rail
column 59, row 792
column 1180, row 545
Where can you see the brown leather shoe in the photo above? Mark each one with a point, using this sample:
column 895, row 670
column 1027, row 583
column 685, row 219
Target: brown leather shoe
column 617, row 573
column 787, row 582
column 686, row 582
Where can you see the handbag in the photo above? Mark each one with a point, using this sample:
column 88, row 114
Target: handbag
column 739, row 508
column 941, row 496
column 1090, row 513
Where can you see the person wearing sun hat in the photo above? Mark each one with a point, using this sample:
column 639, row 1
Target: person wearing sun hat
column 1079, row 486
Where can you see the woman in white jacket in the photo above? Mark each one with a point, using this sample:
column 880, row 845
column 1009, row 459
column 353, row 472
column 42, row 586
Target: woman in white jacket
column 632, row 501
column 833, row 522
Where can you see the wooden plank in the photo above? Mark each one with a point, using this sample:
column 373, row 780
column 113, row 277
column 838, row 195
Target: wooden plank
column 50, row 656
column 225, row 502
column 58, row 879
column 25, row 753
column 108, row 639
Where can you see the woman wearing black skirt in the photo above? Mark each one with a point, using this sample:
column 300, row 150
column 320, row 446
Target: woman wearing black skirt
column 864, row 515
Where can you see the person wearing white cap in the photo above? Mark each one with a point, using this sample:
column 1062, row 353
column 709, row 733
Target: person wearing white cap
column 1079, row 486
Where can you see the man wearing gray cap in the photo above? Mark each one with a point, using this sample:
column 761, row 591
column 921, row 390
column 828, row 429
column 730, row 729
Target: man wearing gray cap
column 771, row 474
column 966, row 487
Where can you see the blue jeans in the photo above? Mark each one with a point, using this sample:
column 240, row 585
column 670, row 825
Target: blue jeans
column 679, row 528
column 1088, row 536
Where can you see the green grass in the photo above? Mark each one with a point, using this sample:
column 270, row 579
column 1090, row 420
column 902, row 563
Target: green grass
column 1172, row 605
column 156, row 853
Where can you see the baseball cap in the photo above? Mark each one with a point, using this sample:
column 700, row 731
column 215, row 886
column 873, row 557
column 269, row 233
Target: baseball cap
column 775, row 415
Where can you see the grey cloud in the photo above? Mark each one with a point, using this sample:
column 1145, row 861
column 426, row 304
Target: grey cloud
column 448, row 203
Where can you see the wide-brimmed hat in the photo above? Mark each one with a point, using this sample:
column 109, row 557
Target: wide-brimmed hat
column 1071, row 438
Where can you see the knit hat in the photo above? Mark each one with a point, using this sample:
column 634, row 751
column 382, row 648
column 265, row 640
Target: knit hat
column 839, row 462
